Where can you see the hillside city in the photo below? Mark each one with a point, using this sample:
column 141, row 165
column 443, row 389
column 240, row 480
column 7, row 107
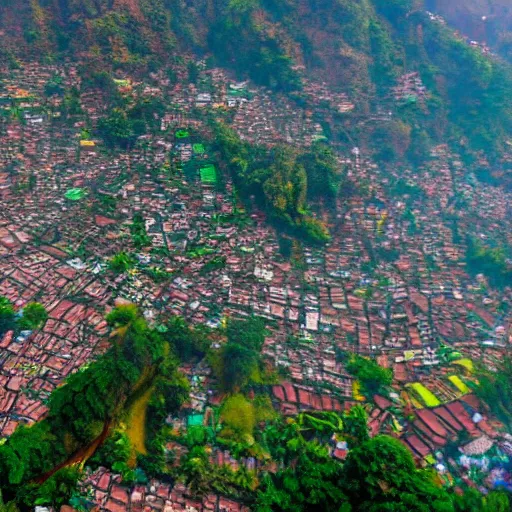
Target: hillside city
column 87, row 229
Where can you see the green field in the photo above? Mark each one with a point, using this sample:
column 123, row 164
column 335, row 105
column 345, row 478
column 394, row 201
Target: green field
column 426, row 396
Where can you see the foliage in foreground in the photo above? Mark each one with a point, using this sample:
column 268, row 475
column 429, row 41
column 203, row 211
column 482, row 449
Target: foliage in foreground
column 34, row 460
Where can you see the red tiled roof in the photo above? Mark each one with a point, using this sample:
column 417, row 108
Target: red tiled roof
column 432, row 422
column 291, row 395
column 417, row 446
column 457, row 410
column 279, row 393
column 381, row 402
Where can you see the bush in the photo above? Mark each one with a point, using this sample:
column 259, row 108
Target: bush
column 34, row 316
column 238, row 417
column 7, row 316
column 121, row 263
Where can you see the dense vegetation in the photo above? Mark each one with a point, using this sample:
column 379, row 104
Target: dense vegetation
column 495, row 390
column 90, row 421
column 239, row 361
column 378, row 474
column 282, row 179
column 490, row 261
column 37, row 463
column 373, row 378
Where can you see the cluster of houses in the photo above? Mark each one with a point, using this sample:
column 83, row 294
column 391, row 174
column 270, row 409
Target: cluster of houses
column 107, row 491
column 410, row 89
column 392, row 283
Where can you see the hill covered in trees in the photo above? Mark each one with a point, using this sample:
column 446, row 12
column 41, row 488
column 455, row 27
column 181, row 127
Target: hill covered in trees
column 483, row 20
column 359, row 47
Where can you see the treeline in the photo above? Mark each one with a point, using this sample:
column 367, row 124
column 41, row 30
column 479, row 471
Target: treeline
column 495, row 389
column 239, row 39
column 38, row 464
column 378, row 474
column 282, row 179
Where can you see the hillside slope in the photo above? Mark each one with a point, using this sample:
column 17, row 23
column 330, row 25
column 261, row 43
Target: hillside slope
column 488, row 21
column 360, row 47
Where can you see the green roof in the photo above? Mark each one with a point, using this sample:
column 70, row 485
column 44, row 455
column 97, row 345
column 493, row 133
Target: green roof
column 195, row 420
column 237, row 92
column 75, row 194
column 208, row 174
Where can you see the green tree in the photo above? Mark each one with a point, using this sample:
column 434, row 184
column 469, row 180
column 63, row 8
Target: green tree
column 285, row 186
column 495, row 389
column 496, row 501
column 140, row 236
column 121, row 262
column 355, row 426
column 7, row 315
column 54, row 492
column 373, row 378
column 34, row 316
column 7, row 507
column 117, row 448
column 311, row 484
column 249, row 332
column 54, row 86
column 238, row 417
column 117, row 129
column 238, row 365
column 323, row 171
column 491, row 261
column 188, row 341
column 197, row 470
column 380, row 475
column 473, row 501
column 239, row 362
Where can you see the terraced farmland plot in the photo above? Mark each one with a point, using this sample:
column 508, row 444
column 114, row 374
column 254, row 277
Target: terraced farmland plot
column 425, row 395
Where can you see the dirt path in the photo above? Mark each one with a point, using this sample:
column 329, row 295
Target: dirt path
column 80, row 456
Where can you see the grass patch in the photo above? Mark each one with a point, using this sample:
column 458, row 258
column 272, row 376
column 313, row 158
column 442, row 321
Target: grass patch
column 356, row 391
column 198, row 149
column 136, row 422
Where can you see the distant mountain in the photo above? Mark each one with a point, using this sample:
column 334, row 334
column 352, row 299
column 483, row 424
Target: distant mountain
column 361, row 47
